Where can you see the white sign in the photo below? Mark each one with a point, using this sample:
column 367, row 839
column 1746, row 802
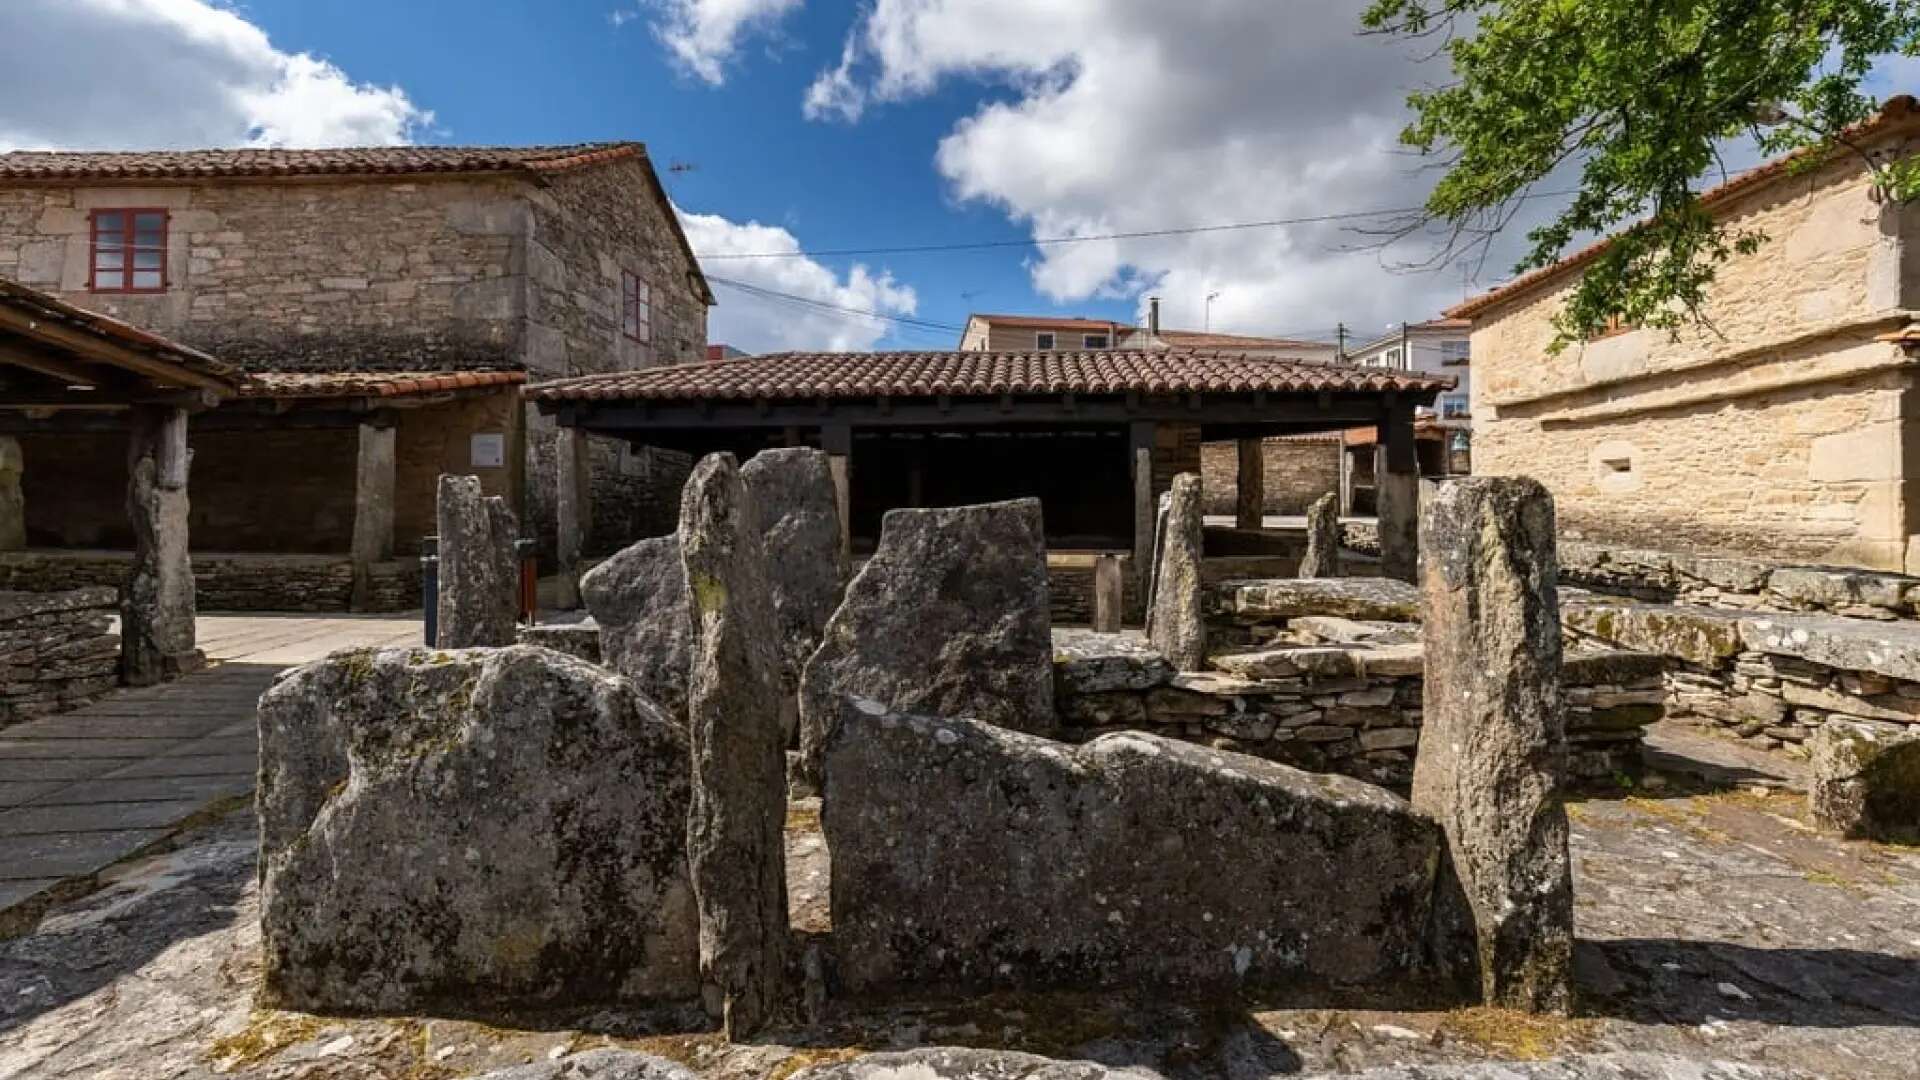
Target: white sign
column 489, row 451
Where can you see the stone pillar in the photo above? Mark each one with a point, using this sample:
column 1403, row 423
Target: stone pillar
column 736, row 826
column 1322, row 559
column 13, row 504
column 573, row 508
column 1140, row 451
column 373, row 484
column 1178, row 628
column 1109, row 594
column 837, row 441
column 1397, row 493
column 479, row 572
column 156, row 604
column 1250, row 485
column 1346, row 479
column 1493, row 742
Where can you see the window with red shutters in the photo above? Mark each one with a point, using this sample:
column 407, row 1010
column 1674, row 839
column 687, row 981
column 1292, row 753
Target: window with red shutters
column 129, row 251
column 636, row 308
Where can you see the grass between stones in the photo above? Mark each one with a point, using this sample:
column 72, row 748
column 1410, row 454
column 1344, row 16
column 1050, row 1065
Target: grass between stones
column 1525, row 1036
column 268, row 1032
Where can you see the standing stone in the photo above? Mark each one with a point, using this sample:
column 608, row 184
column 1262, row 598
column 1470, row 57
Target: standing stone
column 1322, row 559
column 1865, row 781
column 639, row 599
column 1153, row 564
column 1178, row 628
column 735, row 832
column 1493, row 748
column 157, row 603
column 485, row 829
column 479, row 574
column 949, row 616
column 1109, row 594
column 792, row 491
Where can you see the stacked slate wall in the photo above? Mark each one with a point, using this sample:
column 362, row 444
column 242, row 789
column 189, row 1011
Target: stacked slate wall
column 56, row 651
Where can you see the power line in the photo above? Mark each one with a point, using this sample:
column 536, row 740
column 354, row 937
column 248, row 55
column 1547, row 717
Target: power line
column 838, row 309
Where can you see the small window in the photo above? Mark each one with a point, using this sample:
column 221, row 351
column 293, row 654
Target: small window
column 636, row 308
column 1093, row 341
column 128, row 251
column 1614, row 327
column 1455, row 353
column 1391, row 358
column 1453, row 406
column 1043, row 341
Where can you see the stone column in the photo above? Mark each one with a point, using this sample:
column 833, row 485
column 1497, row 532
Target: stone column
column 156, row 604
column 1250, row 485
column 479, row 573
column 1493, row 742
column 13, row 504
column 1397, row 493
column 373, row 484
column 837, row 441
column 1109, row 594
column 736, row 826
column 1346, row 479
column 573, row 508
column 1140, row 452
column 1178, row 628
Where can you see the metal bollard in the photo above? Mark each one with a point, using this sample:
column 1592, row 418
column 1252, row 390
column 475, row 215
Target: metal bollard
column 529, row 552
column 430, row 587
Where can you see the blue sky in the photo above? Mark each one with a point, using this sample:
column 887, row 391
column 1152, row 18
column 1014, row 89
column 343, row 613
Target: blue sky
column 822, row 125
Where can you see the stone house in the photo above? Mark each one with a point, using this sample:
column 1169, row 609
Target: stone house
column 452, row 273
column 1787, row 428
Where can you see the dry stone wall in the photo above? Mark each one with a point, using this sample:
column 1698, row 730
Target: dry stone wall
column 1299, row 469
column 1749, row 584
column 56, row 652
column 239, row 582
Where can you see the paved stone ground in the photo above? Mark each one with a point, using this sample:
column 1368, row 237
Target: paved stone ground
column 1714, row 924
column 85, row 789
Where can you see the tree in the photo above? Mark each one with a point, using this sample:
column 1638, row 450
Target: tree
column 1638, row 95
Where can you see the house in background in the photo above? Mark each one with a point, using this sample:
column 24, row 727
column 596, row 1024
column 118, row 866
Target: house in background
column 414, row 288
column 1443, row 434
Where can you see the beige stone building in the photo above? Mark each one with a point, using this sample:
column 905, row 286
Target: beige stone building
column 441, row 269
column 1787, row 428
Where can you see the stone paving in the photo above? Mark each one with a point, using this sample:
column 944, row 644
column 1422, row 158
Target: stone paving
column 82, row 790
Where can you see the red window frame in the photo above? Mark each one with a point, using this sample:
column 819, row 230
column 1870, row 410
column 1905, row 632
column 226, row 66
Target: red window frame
column 124, row 248
column 636, row 308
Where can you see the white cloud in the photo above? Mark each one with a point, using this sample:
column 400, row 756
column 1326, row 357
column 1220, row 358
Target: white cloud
column 118, row 74
column 702, row 35
column 758, row 323
column 1123, row 118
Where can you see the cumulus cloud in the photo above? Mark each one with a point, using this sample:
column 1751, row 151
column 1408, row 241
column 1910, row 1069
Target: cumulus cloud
column 1121, row 118
column 759, row 323
column 702, row 35
column 119, row 74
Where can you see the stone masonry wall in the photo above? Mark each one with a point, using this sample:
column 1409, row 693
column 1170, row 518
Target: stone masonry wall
column 1742, row 583
column 56, row 652
column 1299, row 469
column 243, row 582
column 439, row 440
column 1782, row 430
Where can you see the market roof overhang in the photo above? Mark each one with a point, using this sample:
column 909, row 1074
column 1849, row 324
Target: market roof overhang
column 55, row 357
column 1229, row 395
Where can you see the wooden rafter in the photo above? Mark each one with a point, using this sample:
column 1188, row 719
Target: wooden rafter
column 96, row 348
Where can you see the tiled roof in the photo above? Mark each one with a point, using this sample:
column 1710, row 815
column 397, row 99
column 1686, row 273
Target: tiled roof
column 1898, row 111
column 43, row 307
column 345, row 161
column 1194, row 339
column 382, row 384
column 810, row 376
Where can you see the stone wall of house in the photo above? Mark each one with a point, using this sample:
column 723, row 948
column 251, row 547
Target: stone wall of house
column 56, row 651
column 1784, row 428
column 1176, row 450
column 439, row 439
column 1299, row 469
column 323, row 275
column 226, row 582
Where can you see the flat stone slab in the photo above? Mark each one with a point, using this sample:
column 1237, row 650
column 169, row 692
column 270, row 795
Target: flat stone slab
column 1886, row 648
column 91, row 817
column 1260, row 600
column 1085, row 662
column 1704, row 637
column 59, row 855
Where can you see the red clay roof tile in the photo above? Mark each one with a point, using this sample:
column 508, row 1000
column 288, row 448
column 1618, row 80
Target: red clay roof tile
column 344, row 384
column 344, row 161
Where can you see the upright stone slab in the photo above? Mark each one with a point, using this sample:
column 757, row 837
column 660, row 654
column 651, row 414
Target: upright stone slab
column 1178, row 627
column 1493, row 749
column 1865, row 781
column 734, row 694
column 157, row 601
column 1322, row 559
column 471, row 830
column 639, row 599
column 479, row 574
column 793, row 493
column 967, row 857
column 1158, row 546
column 1109, row 594
column 950, row 615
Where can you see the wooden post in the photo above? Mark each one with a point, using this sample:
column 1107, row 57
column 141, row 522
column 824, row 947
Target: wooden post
column 1140, row 450
column 157, row 603
column 1397, row 495
column 1250, row 485
column 573, row 509
column 373, row 490
column 837, row 441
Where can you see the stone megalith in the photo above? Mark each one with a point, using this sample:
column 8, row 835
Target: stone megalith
column 638, row 597
column 1178, row 627
column 1865, row 781
column 793, row 494
column 949, row 616
column 479, row 572
column 736, row 830
column 968, row 857
column 1493, row 746
column 157, row 601
column 1322, row 559
column 502, row 828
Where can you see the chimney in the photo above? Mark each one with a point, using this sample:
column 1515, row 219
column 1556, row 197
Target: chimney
column 1153, row 316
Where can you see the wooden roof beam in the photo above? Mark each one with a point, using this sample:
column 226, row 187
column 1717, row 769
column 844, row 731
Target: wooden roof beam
column 100, row 349
column 67, row 372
